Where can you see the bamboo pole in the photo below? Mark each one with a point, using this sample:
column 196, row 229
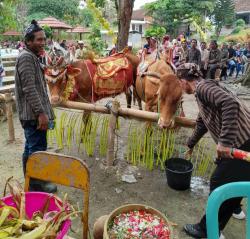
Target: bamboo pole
column 84, row 106
column 125, row 112
column 111, row 132
column 9, row 114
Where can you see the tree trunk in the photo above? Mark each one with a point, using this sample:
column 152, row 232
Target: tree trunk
column 124, row 15
column 218, row 31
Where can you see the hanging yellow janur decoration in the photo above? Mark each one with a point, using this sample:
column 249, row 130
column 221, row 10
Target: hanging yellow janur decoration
column 202, row 34
column 104, row 23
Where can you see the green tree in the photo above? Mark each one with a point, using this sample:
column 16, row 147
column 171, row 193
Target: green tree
column 8, row 15
column 48, row 32
column 95, row 40
column 155, row 31
column 240, row 23
column 172, row 13
column 60, row 9
column 100, row 3
column 86, row 17
column 223, row 14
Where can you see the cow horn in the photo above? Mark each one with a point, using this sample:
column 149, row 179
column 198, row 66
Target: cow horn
column 152, row 74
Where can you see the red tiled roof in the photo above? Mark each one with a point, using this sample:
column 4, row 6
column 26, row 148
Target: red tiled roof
column 12, row 33
column 138, row 15
column 242, row 6
column 54, row 23
column 79, row 29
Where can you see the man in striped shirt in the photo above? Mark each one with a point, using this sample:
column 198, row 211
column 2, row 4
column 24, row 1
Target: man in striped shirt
column 33, row 105
column 228, row 121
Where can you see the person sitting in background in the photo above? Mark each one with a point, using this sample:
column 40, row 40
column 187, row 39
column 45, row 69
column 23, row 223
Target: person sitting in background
column 185, row 50
column 72, row 51
column 246, row 57
column 176, row 53
column 153, row 45
column 165, row 43
column 63, row 44
column 231, row 59
column 147, row 45
column 167, row 49
column 204, row 59
column 193, row 54
column 113, row 50
column 239, row 60
column 81, row 51
column 214, row 59
column 224, row 59
column 2, row 74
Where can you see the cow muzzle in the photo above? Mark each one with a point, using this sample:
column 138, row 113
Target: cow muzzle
column 163, row 124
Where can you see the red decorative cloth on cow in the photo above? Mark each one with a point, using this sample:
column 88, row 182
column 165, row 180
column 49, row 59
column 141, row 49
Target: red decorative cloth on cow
column 110, row 75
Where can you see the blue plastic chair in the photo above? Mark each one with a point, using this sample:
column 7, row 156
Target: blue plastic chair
column 217, row 197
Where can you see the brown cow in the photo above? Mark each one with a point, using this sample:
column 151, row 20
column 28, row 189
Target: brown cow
column 161, row 91
column 61, row 73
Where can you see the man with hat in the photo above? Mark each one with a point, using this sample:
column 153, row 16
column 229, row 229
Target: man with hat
column 81, row 51
column 227, row 120
column 33, row 105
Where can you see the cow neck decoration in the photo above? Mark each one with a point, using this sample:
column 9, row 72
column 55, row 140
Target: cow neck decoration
column 69, row 90
column 53, row 76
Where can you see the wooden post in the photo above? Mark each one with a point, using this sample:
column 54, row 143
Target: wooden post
column 111, row 132
column 9, row 114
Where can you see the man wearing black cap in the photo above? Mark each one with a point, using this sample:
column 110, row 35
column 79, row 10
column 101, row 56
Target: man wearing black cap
column 34, row 108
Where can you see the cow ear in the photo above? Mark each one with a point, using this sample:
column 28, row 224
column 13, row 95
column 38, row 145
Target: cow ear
column 154, row 80
column 71, row 71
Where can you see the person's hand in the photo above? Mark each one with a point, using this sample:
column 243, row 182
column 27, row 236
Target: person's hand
column 223, row 152
column 43, row 122
column 188, row 153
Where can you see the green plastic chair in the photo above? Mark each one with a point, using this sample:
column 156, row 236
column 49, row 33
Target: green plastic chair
column 217, row 197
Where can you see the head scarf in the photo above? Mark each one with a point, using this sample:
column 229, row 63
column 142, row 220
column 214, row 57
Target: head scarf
column 32, row 28
column 190, row 69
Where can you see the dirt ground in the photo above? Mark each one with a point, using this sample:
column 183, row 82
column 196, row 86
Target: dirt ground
column 107, row 192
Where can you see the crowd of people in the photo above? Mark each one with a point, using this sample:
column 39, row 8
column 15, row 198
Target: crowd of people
column 9, row 45
column 214, row 61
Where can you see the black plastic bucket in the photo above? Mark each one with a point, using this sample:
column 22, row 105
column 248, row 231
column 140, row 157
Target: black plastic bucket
column 179, row 172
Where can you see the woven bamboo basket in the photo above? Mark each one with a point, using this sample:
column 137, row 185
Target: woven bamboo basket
column 132, row 207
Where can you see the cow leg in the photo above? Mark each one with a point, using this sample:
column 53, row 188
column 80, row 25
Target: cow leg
column 137, row 98
column 139, row 103
column 134, row 96
column 128, row 97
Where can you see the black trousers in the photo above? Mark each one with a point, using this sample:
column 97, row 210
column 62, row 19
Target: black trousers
column 211, row 71
column 228, row 171
column 223, row 72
